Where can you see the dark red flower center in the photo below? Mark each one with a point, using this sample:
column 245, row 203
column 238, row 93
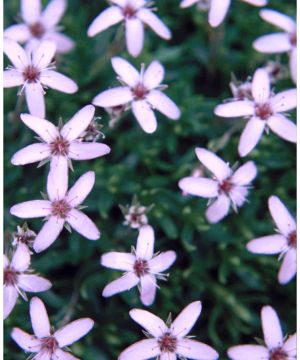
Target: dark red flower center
column 31, row 74
column 293, row 38
column 10, row 276
column 278, row 354
column 141, row 267
column 49, row 344
column 225, row 186
column 263, row 111
column 140, row 92
column 60, row 208
column 129, row 11
column 60, row 146
column 167, row 343
column 37, row 30
column 292, row 239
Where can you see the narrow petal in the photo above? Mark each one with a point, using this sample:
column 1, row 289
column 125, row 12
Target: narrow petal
column 83, row 225
column 213, row 163
column 148, row 289
column 281, row 216
column 162, row 261
column 53, row 12
column 124, row 283
column 21, row 258
column 144, row 115
column 284, row 101
column 33, row 283
column 5, row 262
column 34, row 94
column 80, row 190
column 87, row 151
column 118, row 261
column 48, row 234
column 271, row 328
column 168, row 356
column 27, row 342
column 63, row 355
column 283, row 127
column 187, row 318
column 63, row 43
column 15, row 53
column 278, row 19
column 272, row 244
column 10, row 296
column 218, row 11
column 251, row 135
column 273, row 43
column 188, row 3
column 30, row 10
column 39, row 318
column 257, row 2
column 164, row 104
column 113, row 97
column 244, row 174
column 31, row 209
column 31, row 153
column 18, row 32
column 105, row 19
column 293, row 64
column 235, row 109
column 44, row 54
column 288, row 268
column 243, row 352
column 57, row 181
column 203, row 187
column 261, row 86
column 73, row 331
column 150, row 322
column 134, row 36
column 58, row 81
column 125, row 71
column 12, row 78
column 43, row 128
column 192, row 349
column 290, row 346
column 145, row 243
column 154, row 75
column 153, row 21
column 218, row 209
column 141, row 350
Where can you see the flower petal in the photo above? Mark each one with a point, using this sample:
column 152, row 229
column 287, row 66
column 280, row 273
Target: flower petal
column 153, row 21
column 285, row 100
column 63, row 355
column 12, row 78
column 218, row 11
column 31, row 154
column 272, row 244
column 278, row 19
column 80, row 190
column 114, row 97
column 243, row 352
column 168, row 356
column 153, row 75
column 281, row 216
column 18, row 32
column 283, row 127
column 203, row 187
column 144, row 115
column 261, row 86
column 271, row 328
column 244, row 174
column 251, row 135
column 83, row 225
column 145, row 243
column 192, row 349
column 44, row 128
column 63, row 43
column 34, row 94
column 73, row 331
column 150, row 322
column 218, row 209
column 162, row 261
column 58, row 81
column 134, row 36
column 33, row 283
column 105, row 19
column 48, row 234
column 187, row 318
column 10, row 296
column 124, row 283
column 53, row 12
column 39, row 318
column 44, row 54
column 126, row 71
column 15, row 53
column 273, row 43
column 87, row 151
column 164, row 104
column 288, row 268
column 188, row 3
column 5, row 261
column 148, row 289
column 30, row 10
column 31, row 209
column 118, row 261
column 257, row 2
column 141, row 350
column 21, row 258
column 293, row 64
column 27, row 342
column 235, row 109
column 290, row 345
column 57, row 181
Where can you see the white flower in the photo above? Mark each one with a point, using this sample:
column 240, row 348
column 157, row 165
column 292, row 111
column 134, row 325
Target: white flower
column 227, row 187
column 142, row 90
column 283, row 243
column 134, row 14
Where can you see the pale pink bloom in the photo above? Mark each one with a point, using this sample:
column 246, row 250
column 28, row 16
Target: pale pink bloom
column 47, row 344
column 283, row 243
column 168, row 341
column 19, row 279
column 266, row 111
column 135, row 14
column 62, row 207
column 40, row 25
column 241, row 90
column 23, row 235
column 227, row 187
column 60, row 145
column 280, row 42
column 34, row 72
column 141, row 267
column 217, row 9
column 142, row 90
column 276, row 346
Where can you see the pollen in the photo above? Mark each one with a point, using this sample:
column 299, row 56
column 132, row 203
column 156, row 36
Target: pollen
column 60, row 208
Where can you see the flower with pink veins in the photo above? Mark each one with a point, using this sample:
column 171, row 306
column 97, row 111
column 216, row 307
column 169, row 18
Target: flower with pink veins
column 40, row 25
column 168, row 341
column 266, row 111
column 135, row 14
column 62, row 207
column 227, row 187
column 34, row 72
column 279, row 42
column 217, row 9
column 18, row 279
column 47, row 344
column 141, row 90
column 283, row 243
column 275, row 347
column 60, row 145
column 141, row 267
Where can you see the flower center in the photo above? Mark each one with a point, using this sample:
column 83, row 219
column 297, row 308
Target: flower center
column 263, row 111
column 167, row 343
column 141, row 267
column 278, row 354
column 37, row 30
column 292, row 239
column 10, row 276
column 60, row 208
column 140, row 92
column 49, row 344
column 225, row 186
column 293, row 38
column 129, row 11
column 60, row 146
column 31, row 74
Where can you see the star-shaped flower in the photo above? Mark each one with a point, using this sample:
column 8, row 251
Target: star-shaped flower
column 141, row 267
column 45, row 344
column 142, row 91
column 283, row 243
column 18, row 279
column 40, row 25
column 168, row 341
column 275, row 347
column 266, row 111
column 34, row 72
column 225, row 188
column 135, row 14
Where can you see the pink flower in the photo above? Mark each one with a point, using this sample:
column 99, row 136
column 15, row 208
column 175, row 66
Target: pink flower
column 276, row 347
column 283, row 243
column 217, row 8
column 134, row 14
column 280, row 42
column 46, row 344
column 266, row 111
column 34, row 73
column 226, row 187
column 60, row 145
column 141, row 267
column 142, row 91
column 38, row 26
column 61, row 207
column 167, row 341
column 18, row 279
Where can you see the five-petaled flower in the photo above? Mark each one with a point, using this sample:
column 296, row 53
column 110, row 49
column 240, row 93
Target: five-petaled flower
column 134, row 13
column 283, row 243
column 280, row 42
column 40, row 25
column 167, row 341
column 61, row 208
column 34, row 72
column 61, row 146
column 46, row 344
column 275, row 348
column 18, row 279
column 265, row 111
column 227, row 186
column 141, row 267
column 142, row 91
